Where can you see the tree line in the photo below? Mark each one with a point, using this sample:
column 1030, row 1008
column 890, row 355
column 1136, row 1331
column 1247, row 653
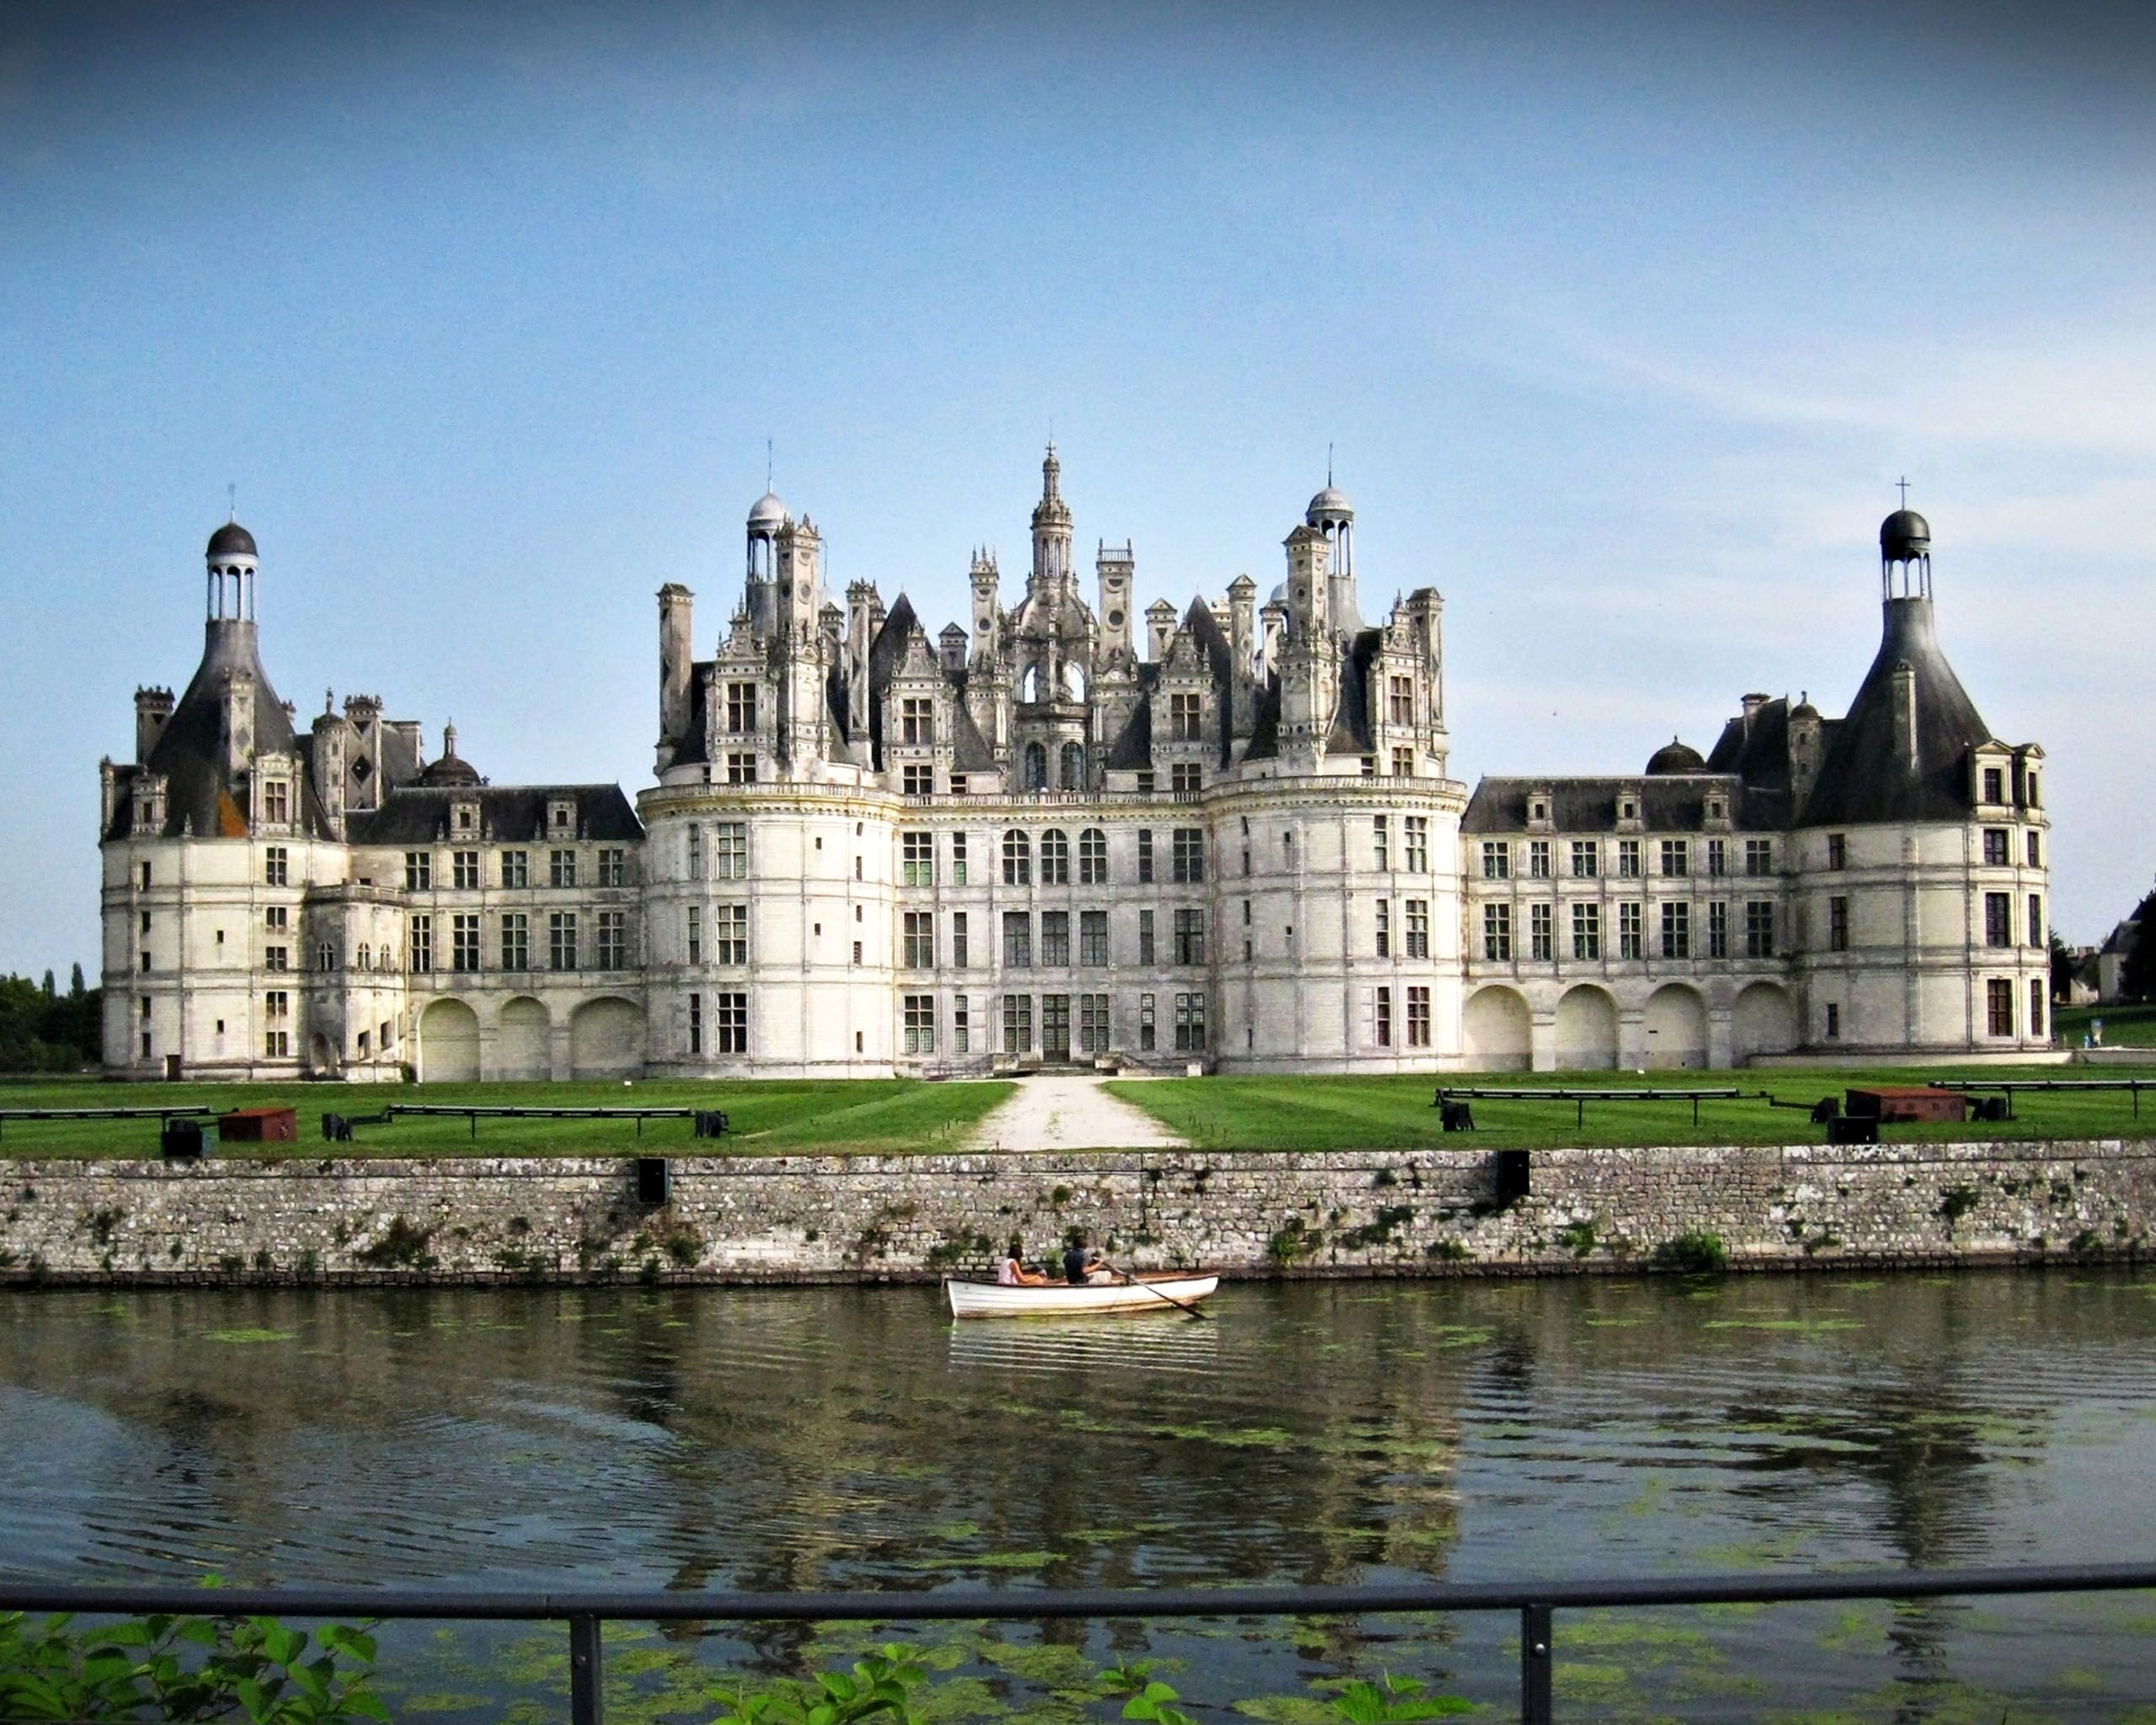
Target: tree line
column 43, row 1030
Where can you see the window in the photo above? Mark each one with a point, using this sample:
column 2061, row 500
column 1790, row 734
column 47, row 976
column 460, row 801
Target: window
column 1381, row 843
column 732, row 1017
column 1587, row 931
column 1759, row 928
column 1628, row 859
column 1145, row 937
column 1384, row 928
column 1036, row 767
column 276, row 868
column 1189, row 843
column 1837, row 850
column 325, row 957
column 958, row 785
column 1017, row 940
column 917, row 858
column 1403, row 763
column 273, row 958
column 1092, row 857
column 463, row 943
column 613, row 866
column 1418, row 1017
column 920, row 1012
column 613, row 940
column 1497, row 932
column 276, row 1044
column 696, row 1023
column 917, row 720
column 144, row 877
column 561, row 940
column 1998, row 1002
column 418, row 871
column 740, row 708
column 516, row 941
column 1417, row 842
column 2035, row 849
column 561, row 867
column 1419, row 927
column 1631, row 929
column 1585, row 859
column 1995, row 792
column 1676, row 857
column 959, row 957
column 1384, row 1017
column 692, row 845
column 1183, row 722
column 1146, row 1032
column 2035, row 921
column 1055, row 859
column 516, row 868
column 276, row 802
column 857, row 959
column 1677, row 930
column 1017, row 1023
column 1718, row 930
column 1717, row 857
column 464, row 870
column 1093, row 1023
column 1538, row 859
column 919, row 941
column 957, row 859
column 2035, row 1005
column 1018, row 859
column 1190, row 936
column 277, row 916
column 962, row 1025
column 1833, row 1020
column 419, row 945
column 365, row 960
column 1758, row 856
column 1144, row 779
column 1542, row 932
column 730, row 850
column 1190, row 1023
column 917, row 780
column 1144, row 856
column 1995, row 847
column 1055, row 939
column 1999, row 919
column 1399, row 700
column 1838, row 924
column 1093, row 938
column 1186, row 776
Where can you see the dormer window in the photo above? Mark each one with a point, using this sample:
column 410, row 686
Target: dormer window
column 560, row 816
column 467, row 818
column 276, row 802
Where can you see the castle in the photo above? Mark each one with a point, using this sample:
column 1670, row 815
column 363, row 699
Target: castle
column 1228, row 836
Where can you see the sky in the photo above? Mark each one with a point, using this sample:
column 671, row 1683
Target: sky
column 1620, row 322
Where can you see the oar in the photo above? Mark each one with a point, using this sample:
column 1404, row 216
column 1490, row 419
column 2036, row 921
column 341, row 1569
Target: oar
column 1132, row 1281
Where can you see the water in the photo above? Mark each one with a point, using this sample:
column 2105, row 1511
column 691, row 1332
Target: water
column 1318, row 1433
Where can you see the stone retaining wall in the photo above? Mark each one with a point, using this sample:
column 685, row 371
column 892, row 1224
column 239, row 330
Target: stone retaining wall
column 1419, row 1212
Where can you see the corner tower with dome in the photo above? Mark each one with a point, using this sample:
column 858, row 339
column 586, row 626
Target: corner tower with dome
column 1049, row 836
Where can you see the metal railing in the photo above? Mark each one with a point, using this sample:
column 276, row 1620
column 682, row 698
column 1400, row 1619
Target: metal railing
column 1537, row 1603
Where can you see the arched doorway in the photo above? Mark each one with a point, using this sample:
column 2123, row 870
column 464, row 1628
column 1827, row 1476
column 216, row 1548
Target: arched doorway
column 1587, row 1030
column 606, row 1039
column 1676, row 1028
column 449, row 1044
column 525, row 1049
column 1495, row 1035
column 1764, row 1022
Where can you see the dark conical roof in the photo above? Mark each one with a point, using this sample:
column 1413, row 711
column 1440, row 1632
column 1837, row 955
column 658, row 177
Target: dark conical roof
column 231, row 540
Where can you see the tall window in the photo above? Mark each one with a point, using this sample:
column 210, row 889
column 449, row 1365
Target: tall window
column 2036, row 848
column 418, row 871
column 1759, row 928
column 420, row 943
column 1093, row 938
column 1183, row 718
column 1999, row 1005
column 2035, row 1005
column 692, row 851
column 276, row 868
column 2035, row 921
column 1093, row 1023
column 917, row 719
column 1418, row 1017
column 1587, row 931
column 919, row 941
column 1092, row 857
column 1144, row 856
column 1538, row 859
column 1017, row 940
column 1585, row 859
column 464, row 942
column 1036, row 777
column 1496, row 860
column 561, row 867
column 1758, row 856
column 957, row 859
column 1399, row 700
column 1838, row 924
column 1384, row 928
column 1837, row 850
column 1190, row 936
column 740, row 708
column 1384, row 1017
column 1717, row 857
column 741, row 769
column 1070, row 767
column 1189, row 842
column 917, row 858
column 561, row 940
column 692, row 934
column 1403, row 763
column 1497, row 932
column 733, row 934
column 1718, row 930
column 1017, row 1023
column 464, row 870
column 730, row 850
column 959, row 956
column 1018, row 859
column 1542, row 936
column 1631, row 923
column 1381, row 843
column 613, row 866
column 276, row 802
column 1676, row 857
column 1628, row 859
column 1145, row 937
column 515, row 868
column 1995, row 788
column 1055, row 939
column 1190, row 1023
column 696, row 1023
column 613, row 940
column 961, row 1025
column 1055, row 857
column 1677, row 930
column 1147, row 1031
column 919, row 1011
column 1419, row 927
column 733, row 1015
column 1416, row 831
column 1999, row 919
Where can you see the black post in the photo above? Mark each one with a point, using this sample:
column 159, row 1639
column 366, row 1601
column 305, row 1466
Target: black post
column 583, row 1671
column 1535, row 1660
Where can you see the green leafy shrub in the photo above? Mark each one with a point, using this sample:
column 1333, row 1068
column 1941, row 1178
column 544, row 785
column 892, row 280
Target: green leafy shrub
column 1696, row 1251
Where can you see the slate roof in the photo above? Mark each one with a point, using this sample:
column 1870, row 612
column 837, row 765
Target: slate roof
column 419, row 815
column 1669, row 802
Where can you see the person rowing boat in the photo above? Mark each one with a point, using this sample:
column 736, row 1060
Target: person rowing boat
column 1081, row 1264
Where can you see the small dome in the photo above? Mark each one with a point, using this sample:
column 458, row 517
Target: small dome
column 450, row 770
column 1329, row 503
column 1903, row 535
column 770, row 511
column 1673, row 756
column 231, row 540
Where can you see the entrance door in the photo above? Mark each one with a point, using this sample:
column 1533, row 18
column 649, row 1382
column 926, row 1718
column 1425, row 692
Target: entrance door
column 1055, row 1029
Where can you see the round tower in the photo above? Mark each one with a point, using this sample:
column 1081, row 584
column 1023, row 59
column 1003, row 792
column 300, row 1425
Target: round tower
column 768, row 517
column 1905, row 556
column 1331, row 515
column 231, row 560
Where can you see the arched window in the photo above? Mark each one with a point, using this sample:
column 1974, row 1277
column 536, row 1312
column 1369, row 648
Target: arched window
column 1055, row 859
column 1070, row 770
column 1092, row 857
column 1074, row 681
column 1036, row 767
column 1029, row 683
column 1018, row 859
column 362, row 964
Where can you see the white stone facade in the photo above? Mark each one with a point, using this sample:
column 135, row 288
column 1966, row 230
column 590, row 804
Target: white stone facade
column 1228, row 839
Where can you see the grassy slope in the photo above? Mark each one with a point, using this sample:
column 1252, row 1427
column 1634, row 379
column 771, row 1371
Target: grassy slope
column 1352, row 1113
column 2124, row 1027
column 769, row 1116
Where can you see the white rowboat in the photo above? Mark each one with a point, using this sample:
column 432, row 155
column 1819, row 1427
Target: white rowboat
column 1157, row 1293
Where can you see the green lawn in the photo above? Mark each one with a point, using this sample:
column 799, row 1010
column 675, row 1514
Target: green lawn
column 1381, row 1113
column 2124, row 1027
column 769, row 1116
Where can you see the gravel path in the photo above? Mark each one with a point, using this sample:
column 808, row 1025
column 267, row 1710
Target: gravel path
column 1065, row 1111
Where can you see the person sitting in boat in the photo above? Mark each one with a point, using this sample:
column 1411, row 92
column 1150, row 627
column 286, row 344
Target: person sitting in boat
column 1012, row 1273
column 1082, row 1264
